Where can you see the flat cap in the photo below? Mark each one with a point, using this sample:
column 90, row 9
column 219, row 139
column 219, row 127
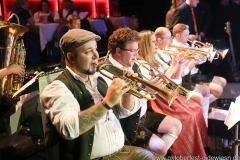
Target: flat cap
column 76, row 37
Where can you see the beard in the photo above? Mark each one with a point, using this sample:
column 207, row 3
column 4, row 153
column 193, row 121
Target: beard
column 90, row 71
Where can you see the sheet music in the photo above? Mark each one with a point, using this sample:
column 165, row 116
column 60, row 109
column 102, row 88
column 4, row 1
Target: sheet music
column 233, row 114
column 218, row 114
column 27, row 84
column 43, row 81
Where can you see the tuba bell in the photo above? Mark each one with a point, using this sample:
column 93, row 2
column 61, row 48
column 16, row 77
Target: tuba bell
column 12, row 51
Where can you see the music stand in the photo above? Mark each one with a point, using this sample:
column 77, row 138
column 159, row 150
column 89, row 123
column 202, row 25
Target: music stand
column 231, row 91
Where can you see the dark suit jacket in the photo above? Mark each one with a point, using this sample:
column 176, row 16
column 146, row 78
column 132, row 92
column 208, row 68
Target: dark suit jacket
column 183, row 15
column 203, row 17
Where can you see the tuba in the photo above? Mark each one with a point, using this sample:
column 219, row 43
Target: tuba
column 11, row 52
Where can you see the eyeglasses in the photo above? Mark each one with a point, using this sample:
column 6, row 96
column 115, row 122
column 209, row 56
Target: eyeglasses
column 131, row 51
column 171, row 37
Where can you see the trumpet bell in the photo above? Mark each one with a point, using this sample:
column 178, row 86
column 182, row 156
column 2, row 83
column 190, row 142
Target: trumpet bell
column 172, row 97
column 222, row 53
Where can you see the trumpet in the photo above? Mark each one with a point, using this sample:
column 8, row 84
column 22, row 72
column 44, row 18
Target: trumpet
column 220, row 52
column 170, row 83
column 136, row 90
column 188, row 53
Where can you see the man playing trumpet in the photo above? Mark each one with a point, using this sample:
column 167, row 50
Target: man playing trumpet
column 123, row 47
column 216, row 83
column 83, row 111
column 214, row 88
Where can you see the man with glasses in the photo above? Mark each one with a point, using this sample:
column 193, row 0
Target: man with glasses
column 83, row 111
column 123, row 48
column 164, row 38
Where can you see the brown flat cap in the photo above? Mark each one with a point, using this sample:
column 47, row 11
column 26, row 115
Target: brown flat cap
column 76, row 37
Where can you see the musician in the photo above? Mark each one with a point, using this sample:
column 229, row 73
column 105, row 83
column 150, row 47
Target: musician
column 215, row 84
column 7, row 150
column 123, row 47
column 164, row 38
column 82, row 109
column 189, row 141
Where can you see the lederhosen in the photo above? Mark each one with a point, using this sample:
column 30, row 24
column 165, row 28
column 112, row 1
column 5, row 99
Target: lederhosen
column 148, row 125
column 81, row 147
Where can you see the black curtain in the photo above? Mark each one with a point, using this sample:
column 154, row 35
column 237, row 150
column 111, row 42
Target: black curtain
column 151, row 13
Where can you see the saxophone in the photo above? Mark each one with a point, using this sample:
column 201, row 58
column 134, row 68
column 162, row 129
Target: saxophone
column 12, row 51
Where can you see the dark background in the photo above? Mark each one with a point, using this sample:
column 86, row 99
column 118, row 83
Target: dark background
column 151, row 13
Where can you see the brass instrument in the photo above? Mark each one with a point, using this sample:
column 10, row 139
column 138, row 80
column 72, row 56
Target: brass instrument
column 188, row 53
column 134, row 81
column 220, row 52
column 11, row 52
column 170, row 84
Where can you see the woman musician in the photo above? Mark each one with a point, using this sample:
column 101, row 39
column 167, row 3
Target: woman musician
column 189, row 113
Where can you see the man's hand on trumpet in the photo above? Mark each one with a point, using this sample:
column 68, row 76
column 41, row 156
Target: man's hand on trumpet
column 207, row 45
column 118, row 89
